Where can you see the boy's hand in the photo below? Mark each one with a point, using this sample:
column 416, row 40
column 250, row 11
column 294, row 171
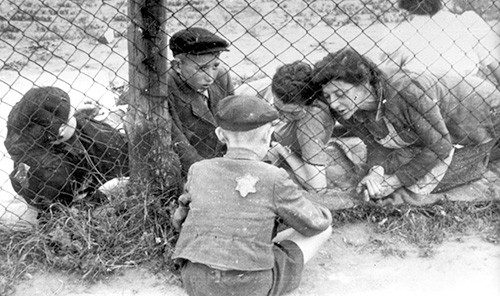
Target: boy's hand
column 179, row 216
column 277, row 151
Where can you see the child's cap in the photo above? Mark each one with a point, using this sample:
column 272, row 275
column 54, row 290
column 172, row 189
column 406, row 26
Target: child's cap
column 244, row 113
column 42, row 105
column 196, row 41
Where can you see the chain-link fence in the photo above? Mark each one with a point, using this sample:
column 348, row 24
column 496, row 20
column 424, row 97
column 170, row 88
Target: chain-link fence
column 81, row 47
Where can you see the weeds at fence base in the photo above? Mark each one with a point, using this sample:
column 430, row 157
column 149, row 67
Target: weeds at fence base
column 95, row 243
column 430, row 225
column 91, row 242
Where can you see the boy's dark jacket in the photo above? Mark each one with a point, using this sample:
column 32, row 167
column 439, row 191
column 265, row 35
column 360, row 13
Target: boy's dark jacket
column 193, row 128
column 45, row 173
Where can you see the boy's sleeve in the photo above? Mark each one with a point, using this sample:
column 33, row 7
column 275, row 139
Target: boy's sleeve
column 187, row 153
column 296, row 210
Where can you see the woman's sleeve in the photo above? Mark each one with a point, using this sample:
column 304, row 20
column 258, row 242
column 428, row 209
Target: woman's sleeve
column 313, row 132
column 423, row 115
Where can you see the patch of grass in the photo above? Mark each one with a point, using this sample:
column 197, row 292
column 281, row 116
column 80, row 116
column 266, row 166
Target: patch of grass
column 133, row 231
column 92, row 243
column 428, row 226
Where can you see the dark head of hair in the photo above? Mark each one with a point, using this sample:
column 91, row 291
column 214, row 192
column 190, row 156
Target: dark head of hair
column 421, row 7
column 35, row 120
column 349, row 66
column 292, row 83
column 46, row 106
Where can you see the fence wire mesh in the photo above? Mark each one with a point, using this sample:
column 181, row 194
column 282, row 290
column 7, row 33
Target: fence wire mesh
column 81, row 48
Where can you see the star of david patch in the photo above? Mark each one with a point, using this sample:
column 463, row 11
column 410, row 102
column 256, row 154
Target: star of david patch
column 246, row 184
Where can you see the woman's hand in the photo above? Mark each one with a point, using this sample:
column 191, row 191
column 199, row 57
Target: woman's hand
column 371, row 185
column 376, row 184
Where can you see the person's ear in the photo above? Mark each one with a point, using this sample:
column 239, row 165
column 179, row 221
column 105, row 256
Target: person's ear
column 219, row 132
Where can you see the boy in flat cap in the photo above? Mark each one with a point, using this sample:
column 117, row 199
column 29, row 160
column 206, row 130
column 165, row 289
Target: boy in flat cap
column 196, row 83
column 229, row 207
column 59, row 154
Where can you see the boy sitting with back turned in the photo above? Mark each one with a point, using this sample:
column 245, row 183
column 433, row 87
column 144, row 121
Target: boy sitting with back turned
column 229, row 207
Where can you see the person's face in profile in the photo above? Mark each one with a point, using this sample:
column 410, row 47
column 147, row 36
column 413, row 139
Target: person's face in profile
column 199, row 71
column 346, row 98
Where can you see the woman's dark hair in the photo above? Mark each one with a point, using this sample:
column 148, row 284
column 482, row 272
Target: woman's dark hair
column 349, row 66
column 292, row 83
column 421, row 7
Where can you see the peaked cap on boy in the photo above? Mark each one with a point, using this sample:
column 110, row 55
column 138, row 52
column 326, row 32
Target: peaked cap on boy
column 243, row 113
column 197, row 41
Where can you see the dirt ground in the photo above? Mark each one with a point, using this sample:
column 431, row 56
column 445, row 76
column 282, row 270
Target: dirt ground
column 349, row 264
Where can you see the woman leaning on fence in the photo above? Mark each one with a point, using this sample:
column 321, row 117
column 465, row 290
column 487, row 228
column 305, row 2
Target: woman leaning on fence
column 423, row 134
column 304, row 132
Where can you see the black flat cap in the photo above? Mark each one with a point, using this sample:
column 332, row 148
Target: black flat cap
column 244, row 113
column 197, row 41
column 41, row 105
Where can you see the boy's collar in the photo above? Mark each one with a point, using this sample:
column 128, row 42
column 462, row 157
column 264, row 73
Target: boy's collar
column 183, row 85
column 241, row 153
